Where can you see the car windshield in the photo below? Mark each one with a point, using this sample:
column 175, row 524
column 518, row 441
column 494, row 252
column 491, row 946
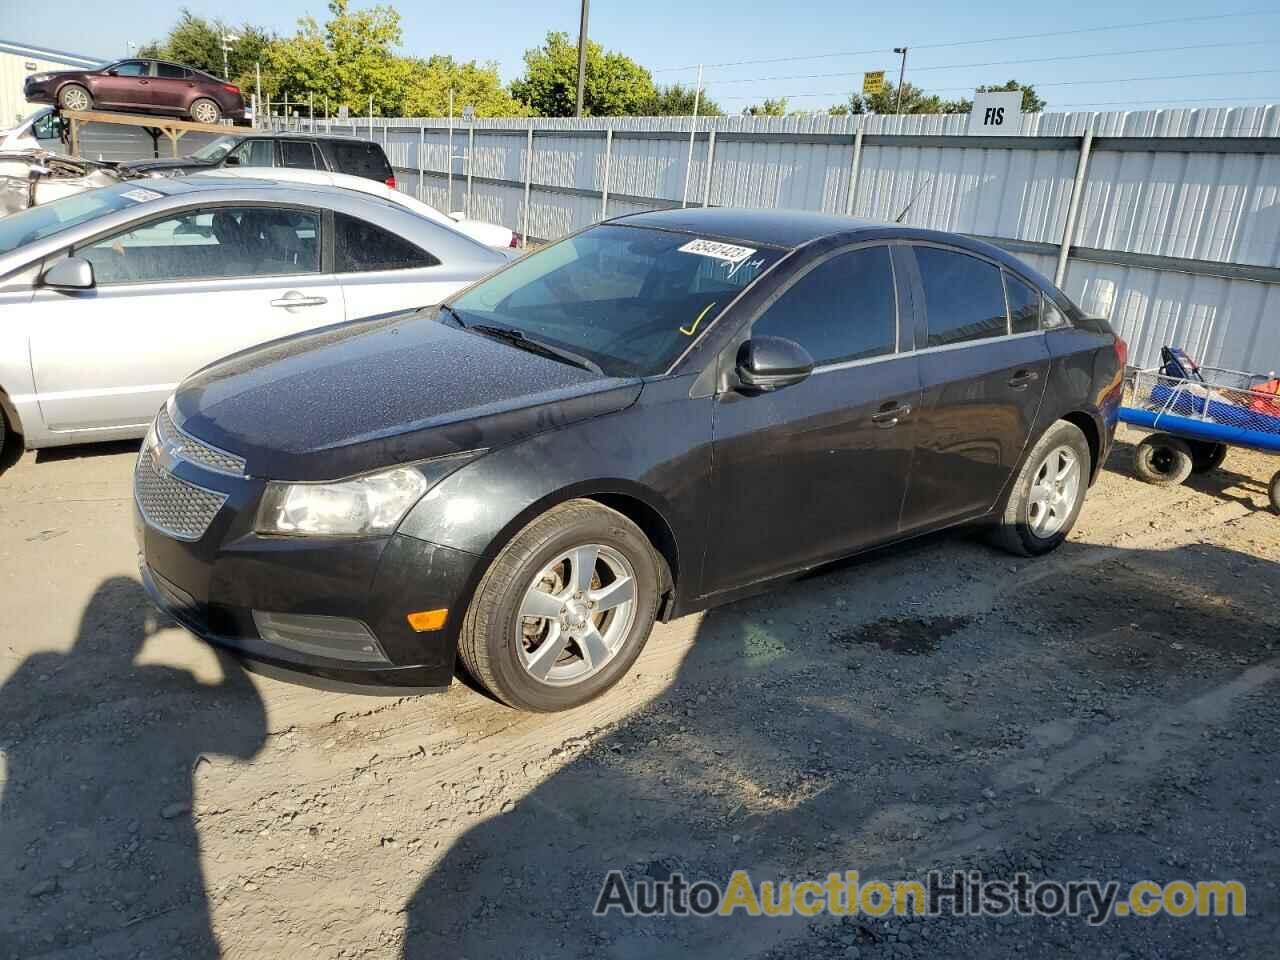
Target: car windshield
column 216, row 150
column 37, row 223
column 629, row 298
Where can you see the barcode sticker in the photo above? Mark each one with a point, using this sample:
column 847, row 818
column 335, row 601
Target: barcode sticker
column 139, row 195
column 728, row 252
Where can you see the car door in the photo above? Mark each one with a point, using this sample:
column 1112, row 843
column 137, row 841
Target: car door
column 126, row 84
column 170, row 296
column 299, row 155
column 382, row 272
column 171, row 87
column 982, row 384
column 818, row 469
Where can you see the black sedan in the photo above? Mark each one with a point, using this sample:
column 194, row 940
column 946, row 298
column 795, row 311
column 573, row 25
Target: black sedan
column 663, row 412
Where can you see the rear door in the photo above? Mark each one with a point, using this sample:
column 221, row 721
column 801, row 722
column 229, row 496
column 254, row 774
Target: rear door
column 171, row 296
column 382, row 272
column 982, row 382
column 171, row 87
column 819, row 469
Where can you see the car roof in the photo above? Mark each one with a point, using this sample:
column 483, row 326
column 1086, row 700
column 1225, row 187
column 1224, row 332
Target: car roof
column 778, row 228
column 322, row 137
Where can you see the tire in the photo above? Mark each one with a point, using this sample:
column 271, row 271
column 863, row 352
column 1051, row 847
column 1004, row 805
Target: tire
column 205, row 110
column 1274, row 492
column 1047, row 495
column 499, row 647
column 1163, row 460
column 1206, row 457
column 75, row 97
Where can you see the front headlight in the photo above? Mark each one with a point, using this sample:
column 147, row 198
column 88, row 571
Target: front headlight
column 368, row 506
column 39, row 77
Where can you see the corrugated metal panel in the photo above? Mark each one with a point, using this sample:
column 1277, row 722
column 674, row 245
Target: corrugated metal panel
column 14, row 73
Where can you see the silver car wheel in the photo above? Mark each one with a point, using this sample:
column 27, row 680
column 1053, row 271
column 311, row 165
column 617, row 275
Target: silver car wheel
column 1053, row 492
column 205, row 112
column 576, row 614
column 75, row 99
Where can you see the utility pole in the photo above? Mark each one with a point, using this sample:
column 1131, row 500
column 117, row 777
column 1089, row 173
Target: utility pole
column 693, row 129
column 902, row 72
column 227, row 40
column 257, row 85
column 582, row 55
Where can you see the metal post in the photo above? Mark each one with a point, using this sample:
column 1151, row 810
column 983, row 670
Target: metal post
column 902, row 72
column 711, row 159
column 854, row 166
column 1073, row 208
column 471, row 145
column 286, row 111
column 371, row 116
column 604, row 180
column 582, row 56
column 257, row 86
column 422, row 150
column 267, row 108
column 449, row 177
column 311, row 110
column 693, row 129
column 528, row 185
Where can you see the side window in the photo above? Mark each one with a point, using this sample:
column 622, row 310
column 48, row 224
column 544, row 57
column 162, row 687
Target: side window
column 1024, row 305
column 1053, row 317
column 963, row 296
column 170, row 71
column 298, row 154
column 844, row 309
column 133, row 68
column 361, row 247
column 210, row 244
column 255, row 153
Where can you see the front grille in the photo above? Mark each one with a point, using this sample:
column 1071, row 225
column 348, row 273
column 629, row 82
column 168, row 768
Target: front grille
column 173, row 506
column 197, row 451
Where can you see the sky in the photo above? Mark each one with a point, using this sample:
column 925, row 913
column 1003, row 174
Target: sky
column 827, row 43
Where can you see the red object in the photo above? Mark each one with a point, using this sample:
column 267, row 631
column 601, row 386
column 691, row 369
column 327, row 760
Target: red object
column 515, row 239
column 1271, row 407
column 1122, row 352
column 390, row 182
column 230, row 88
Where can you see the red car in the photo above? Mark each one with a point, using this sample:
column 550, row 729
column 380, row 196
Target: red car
column 139, row 86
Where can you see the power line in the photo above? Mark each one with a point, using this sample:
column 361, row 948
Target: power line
column 963, row 43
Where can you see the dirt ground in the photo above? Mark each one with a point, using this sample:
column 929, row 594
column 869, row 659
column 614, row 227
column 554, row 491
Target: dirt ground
column 1110, row 711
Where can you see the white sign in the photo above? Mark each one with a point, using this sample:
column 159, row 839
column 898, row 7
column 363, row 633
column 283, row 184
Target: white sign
column 996, row 113
column 468, row 113
column 344, row 112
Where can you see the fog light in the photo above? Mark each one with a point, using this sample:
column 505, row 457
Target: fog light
column 425, row 620
column 334, row 637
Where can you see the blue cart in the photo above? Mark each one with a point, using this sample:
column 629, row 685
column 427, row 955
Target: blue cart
column 1197, row 413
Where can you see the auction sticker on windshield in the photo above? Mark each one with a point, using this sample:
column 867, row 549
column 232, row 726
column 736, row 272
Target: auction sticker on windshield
column 729, row 252
column 139, row 195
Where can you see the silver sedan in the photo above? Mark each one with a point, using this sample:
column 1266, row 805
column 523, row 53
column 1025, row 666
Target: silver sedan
column 110, row 298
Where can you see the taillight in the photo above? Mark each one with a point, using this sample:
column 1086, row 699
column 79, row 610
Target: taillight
column 515, row 239
column 390, row 182
column 230, row 88
column 1122, row 353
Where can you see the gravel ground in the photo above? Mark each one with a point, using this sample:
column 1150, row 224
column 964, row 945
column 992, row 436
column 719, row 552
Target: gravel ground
column 1106, row 712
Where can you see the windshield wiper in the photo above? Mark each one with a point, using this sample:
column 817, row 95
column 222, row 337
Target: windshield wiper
column 445, row 308
column 533, row 345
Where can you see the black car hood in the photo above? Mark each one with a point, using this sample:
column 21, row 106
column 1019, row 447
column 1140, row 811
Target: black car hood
column 358, row 396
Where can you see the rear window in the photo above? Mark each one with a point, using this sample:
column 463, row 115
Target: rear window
column 964, row 297
column 361, row 160
column 299, row 155
column 171, row 71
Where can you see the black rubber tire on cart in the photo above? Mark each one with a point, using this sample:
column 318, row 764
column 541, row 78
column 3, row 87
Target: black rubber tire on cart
column 503, row 631
column 1205, row 456
column 1163, row 460
column 1274, row 491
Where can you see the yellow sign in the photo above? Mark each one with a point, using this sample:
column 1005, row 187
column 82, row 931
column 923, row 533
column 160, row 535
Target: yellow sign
column 873, row 83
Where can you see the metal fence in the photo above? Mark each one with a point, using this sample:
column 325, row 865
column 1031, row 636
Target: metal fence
column 1166, row 222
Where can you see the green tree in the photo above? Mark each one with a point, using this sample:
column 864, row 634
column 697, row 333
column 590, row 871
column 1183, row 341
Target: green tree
column 1031, row 101
column 615, row 84
column 677, row 100
column 770, row 108
column 197, row 42
column 472, row 83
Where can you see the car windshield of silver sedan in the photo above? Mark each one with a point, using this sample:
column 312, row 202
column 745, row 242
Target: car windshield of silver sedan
column 36, row 223
column 628, row 299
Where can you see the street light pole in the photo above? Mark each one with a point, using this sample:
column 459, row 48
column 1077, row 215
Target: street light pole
column 582, row 55
column 902, row 72
column 227, row 40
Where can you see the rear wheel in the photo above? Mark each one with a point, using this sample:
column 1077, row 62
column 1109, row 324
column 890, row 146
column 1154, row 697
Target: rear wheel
column 564, row 609
column 1047, row 494
column 75, row 98
column 1163, row 460
column 205, row 111
column 1274, row 492
column 1206, row 457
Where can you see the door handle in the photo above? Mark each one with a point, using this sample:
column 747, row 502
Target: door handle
column 889, row 414
column 1023, row 378
column 295, row 299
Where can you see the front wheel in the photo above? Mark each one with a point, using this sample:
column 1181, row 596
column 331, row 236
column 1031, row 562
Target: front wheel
column 564, row 609
column 75, row 98
column 205, row 111
column 1047, row 495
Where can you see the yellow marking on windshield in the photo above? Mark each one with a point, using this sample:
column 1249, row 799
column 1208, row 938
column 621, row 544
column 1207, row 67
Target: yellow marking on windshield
column 693, row 328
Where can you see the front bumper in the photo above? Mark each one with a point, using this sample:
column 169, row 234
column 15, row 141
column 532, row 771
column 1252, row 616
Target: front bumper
column 41, row 92
column 213, row 585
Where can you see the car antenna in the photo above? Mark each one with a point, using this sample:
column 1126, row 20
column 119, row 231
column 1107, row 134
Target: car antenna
column 915, row 196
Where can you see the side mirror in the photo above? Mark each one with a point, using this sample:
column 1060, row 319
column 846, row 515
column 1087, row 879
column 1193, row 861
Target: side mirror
column 231, row 161
column 69, row 273
column 770, row 363
column 113, row 73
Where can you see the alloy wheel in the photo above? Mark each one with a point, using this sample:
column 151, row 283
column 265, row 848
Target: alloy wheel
column 1053, row 492
column 206, row 113
column 576, row 614
column 75, row 100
